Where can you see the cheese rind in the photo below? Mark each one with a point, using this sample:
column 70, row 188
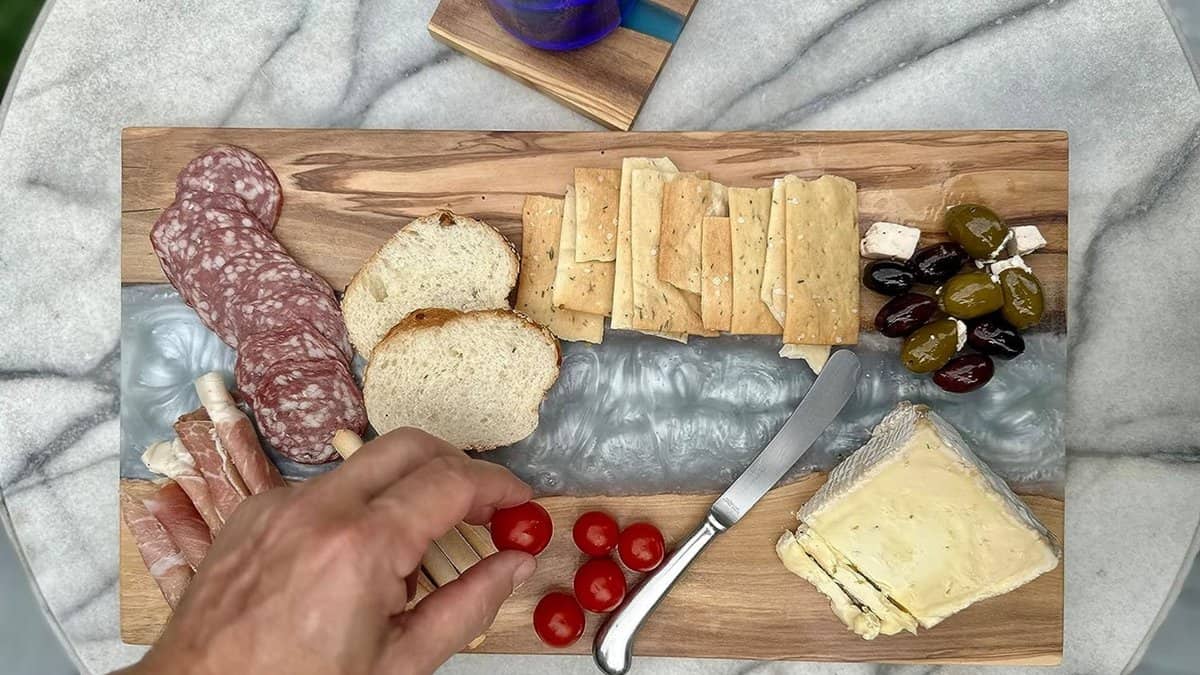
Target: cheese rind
column 926, row 521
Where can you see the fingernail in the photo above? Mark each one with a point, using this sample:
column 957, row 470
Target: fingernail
column 524, row 571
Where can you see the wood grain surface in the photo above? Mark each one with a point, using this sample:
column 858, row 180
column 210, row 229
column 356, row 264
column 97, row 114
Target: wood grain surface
column 356, row 187
column 607, row 81
column 737, row 601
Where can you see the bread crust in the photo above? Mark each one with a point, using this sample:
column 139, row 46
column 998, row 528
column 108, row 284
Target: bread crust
column 436, row 317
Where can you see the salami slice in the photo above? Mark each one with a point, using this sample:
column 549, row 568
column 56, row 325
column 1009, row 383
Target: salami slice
column 299, row 304
column 234, row 170
column 222, row 256
column 188, row 227
column 258, row 353
column 302, row 403
column 284, row 276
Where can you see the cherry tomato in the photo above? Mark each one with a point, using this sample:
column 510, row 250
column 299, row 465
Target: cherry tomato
column 558, row 619
column 525, row 527
column 595, row 533
column 600, row 585
column 641, row 547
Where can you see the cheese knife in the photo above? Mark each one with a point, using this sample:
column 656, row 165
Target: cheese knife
column 613, row 649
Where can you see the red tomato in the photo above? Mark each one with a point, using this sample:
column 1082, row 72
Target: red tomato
column 641, row 547
column 558, row 620
column 600, row 585
column 595, row 533
column 525, row 527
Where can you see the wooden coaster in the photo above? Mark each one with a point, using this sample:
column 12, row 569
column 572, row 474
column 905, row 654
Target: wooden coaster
column 607, row 81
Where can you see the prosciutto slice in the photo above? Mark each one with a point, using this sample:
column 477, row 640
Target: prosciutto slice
column 172, row 460
column 211, row 461
column 236, row 435
column 173, row 509
column 163, row 558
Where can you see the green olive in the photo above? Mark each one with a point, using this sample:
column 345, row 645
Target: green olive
column 977, row 228
column 970, row 295
column 1024, row 301
column 931, row 346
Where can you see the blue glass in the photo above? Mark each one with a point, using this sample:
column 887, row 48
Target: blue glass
column 559, row 24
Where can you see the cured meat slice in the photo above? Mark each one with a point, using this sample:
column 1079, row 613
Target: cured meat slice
column 222, row 257
column 234, row 170
column 172, row 460
column 200, row 439
column 282, row 276
column 284, row 309
column 178, row 230
column 236, row 435
column 163, row 558
column 300, row 341
column 300, row 404
column 175, row 512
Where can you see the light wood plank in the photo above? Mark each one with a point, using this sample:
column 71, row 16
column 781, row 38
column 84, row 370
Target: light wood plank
column 364, row 184
column 607, row 81
column 736, row 602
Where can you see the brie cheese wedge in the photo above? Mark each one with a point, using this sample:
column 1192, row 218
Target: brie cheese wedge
column 924, row 521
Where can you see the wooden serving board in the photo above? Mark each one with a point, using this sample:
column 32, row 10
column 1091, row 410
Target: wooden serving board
column 356, row 187
column 347, row 191
column 607, row 81
column 737, row 601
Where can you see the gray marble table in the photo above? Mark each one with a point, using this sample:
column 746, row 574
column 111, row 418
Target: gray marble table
column 1111, row 72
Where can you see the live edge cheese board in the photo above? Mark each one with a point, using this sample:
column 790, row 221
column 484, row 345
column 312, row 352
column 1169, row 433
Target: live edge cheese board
column 346, row 192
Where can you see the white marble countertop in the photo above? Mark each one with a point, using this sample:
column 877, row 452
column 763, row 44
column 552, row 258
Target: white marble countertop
column 1110, row 72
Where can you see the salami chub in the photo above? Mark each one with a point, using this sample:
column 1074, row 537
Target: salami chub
column 216, row 246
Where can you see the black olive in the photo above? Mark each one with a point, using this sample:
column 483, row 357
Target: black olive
column 904, row 314
column 993, row 335
column 888, row 277
column 965, row 373
column 935, row 264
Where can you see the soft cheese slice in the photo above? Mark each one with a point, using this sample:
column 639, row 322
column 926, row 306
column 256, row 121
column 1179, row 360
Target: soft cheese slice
column 926, row 521
column 815, row 355
column 858, row 619
column 892, row 619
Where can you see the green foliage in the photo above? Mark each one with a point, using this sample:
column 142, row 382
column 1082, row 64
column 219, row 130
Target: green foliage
column 16, row 18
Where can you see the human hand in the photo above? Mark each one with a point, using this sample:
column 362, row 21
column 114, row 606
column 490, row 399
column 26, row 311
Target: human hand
column 314, row 578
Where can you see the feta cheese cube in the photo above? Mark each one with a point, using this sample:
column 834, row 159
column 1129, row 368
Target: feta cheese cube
column 1025, row 239
column 890, row 240
column 1008, row 263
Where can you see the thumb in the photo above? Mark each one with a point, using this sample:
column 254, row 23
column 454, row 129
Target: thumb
column 453, row 615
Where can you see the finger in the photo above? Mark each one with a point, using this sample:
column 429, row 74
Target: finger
column 385, row 460
column 453, row 615
column 439, row 494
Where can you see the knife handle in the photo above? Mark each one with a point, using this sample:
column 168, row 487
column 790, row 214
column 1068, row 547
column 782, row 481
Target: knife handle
column 613, row 649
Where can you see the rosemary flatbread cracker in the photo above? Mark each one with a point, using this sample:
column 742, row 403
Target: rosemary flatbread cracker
column 774, row 285
column 541, row 225
column 597, row 205
column 686, row 201
column 657, row 305
column 622, row 305
column 749, row 210
column 579, row 286
column 822, row 262
column 716, row 260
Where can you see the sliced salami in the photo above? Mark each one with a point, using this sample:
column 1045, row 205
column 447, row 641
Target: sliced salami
column 222, row 256
column 258, row 353
column 233, row 170
column 187, row 228
column 300, row 404
column 283, row 276
column 178, row 218
column 301, row 304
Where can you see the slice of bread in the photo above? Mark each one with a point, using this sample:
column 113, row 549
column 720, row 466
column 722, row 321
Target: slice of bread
column 475, row 379
column 440, row 260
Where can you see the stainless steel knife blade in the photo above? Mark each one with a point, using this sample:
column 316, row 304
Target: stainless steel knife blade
column 824, row 401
